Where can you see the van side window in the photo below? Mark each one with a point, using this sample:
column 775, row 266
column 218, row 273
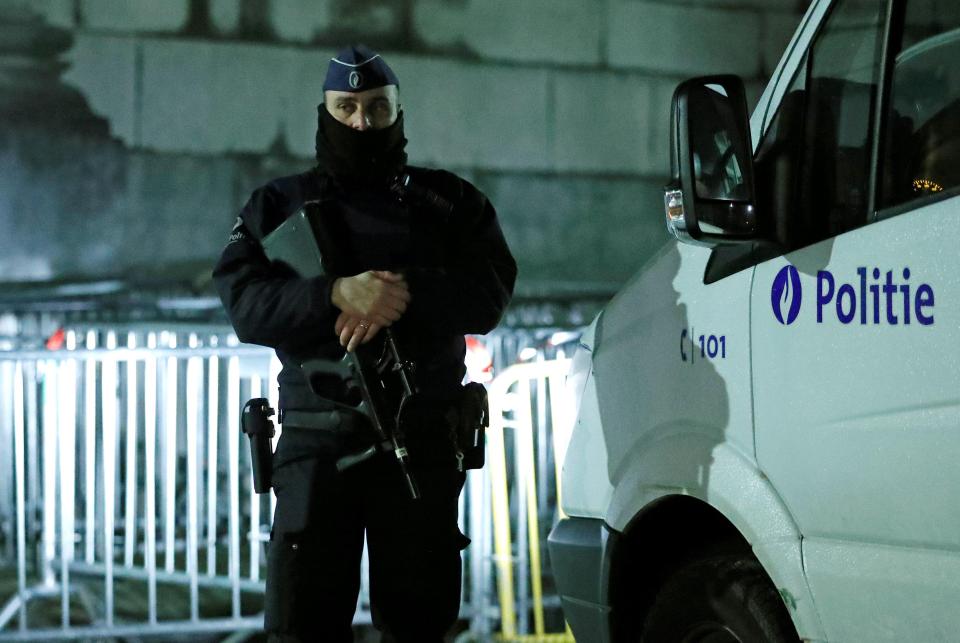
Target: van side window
column 813, row 164
column 922, row 135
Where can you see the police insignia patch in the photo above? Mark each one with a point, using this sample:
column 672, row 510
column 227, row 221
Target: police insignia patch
column 356, row 79
column 238, row 232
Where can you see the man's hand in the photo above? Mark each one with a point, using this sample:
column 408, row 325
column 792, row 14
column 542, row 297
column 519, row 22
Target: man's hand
column 354, row 331
column 378, row 296
column 370, row 301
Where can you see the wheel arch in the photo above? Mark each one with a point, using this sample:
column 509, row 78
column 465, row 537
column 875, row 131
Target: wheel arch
column 730, row 508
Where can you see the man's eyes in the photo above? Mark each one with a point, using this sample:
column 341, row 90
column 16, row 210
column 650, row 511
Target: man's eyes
column 379, row 107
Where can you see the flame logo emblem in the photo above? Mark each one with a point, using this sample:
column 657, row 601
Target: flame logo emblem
column 786, row 293
column 355, row 79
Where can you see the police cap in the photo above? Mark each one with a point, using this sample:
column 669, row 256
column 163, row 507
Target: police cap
column 356, row 69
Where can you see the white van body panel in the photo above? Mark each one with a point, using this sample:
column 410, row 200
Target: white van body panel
column 586, row 496
column 659, row 439
column 858, row 424
column 876, row 592
column 648, row 342
column 733, row 485
column 688, row 429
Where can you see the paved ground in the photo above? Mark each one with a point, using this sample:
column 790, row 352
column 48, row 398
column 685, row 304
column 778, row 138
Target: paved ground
column 130, row 605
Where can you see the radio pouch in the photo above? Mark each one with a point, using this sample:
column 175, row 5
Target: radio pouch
column 473, row 419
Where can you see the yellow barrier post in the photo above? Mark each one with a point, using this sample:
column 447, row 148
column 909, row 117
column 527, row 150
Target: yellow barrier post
column 503, row 402
column 497, row 461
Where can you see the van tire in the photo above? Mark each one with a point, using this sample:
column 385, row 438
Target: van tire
column 728, row 596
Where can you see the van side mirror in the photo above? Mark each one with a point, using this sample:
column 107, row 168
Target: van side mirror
column 710, row 200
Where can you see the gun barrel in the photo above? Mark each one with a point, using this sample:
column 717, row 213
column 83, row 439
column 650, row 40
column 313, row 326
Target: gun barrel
column 402, row 458
column 404, row 369
column 350, row 460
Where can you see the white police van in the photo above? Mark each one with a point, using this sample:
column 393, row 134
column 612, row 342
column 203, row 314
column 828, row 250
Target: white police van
column 768, row 430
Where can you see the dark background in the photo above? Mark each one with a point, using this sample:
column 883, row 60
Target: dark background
column 132, row 131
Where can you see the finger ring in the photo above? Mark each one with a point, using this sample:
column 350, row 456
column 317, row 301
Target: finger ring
column 364, row 324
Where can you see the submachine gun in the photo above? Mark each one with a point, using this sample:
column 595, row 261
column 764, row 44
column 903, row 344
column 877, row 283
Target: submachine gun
column 384, row 383
column 380, row 381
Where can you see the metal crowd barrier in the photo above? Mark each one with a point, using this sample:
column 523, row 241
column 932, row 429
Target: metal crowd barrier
column 528, row 408
column 127, row 504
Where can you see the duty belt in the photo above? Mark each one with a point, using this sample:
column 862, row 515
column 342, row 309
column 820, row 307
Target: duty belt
column 331, row 420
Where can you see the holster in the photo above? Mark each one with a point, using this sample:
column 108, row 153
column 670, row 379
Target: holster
column 255, row 422
column 473, row 417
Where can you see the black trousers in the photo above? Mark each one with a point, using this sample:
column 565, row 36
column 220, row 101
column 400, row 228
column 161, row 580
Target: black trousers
column 313, row 562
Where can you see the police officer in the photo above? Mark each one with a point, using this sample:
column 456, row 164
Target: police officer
column 425, row 256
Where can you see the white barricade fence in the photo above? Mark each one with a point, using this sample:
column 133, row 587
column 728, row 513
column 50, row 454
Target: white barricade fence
column 131, row 487
column 126, row 495
column 530, row 420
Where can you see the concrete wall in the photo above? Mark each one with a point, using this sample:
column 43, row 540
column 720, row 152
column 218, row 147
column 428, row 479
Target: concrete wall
column 558, row 109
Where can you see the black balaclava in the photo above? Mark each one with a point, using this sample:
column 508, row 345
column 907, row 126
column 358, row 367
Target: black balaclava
column 370, row 156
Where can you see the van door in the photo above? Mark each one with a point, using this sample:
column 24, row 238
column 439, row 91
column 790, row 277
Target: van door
column 855, row 334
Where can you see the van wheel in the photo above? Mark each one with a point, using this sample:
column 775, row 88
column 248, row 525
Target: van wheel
column 721, row 599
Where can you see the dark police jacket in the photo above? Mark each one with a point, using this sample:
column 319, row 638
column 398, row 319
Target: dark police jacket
column 459, row 270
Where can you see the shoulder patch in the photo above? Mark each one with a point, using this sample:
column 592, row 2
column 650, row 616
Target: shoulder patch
column 239, row 232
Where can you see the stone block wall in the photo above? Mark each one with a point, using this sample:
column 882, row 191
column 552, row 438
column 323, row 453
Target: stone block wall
column 558, row 109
